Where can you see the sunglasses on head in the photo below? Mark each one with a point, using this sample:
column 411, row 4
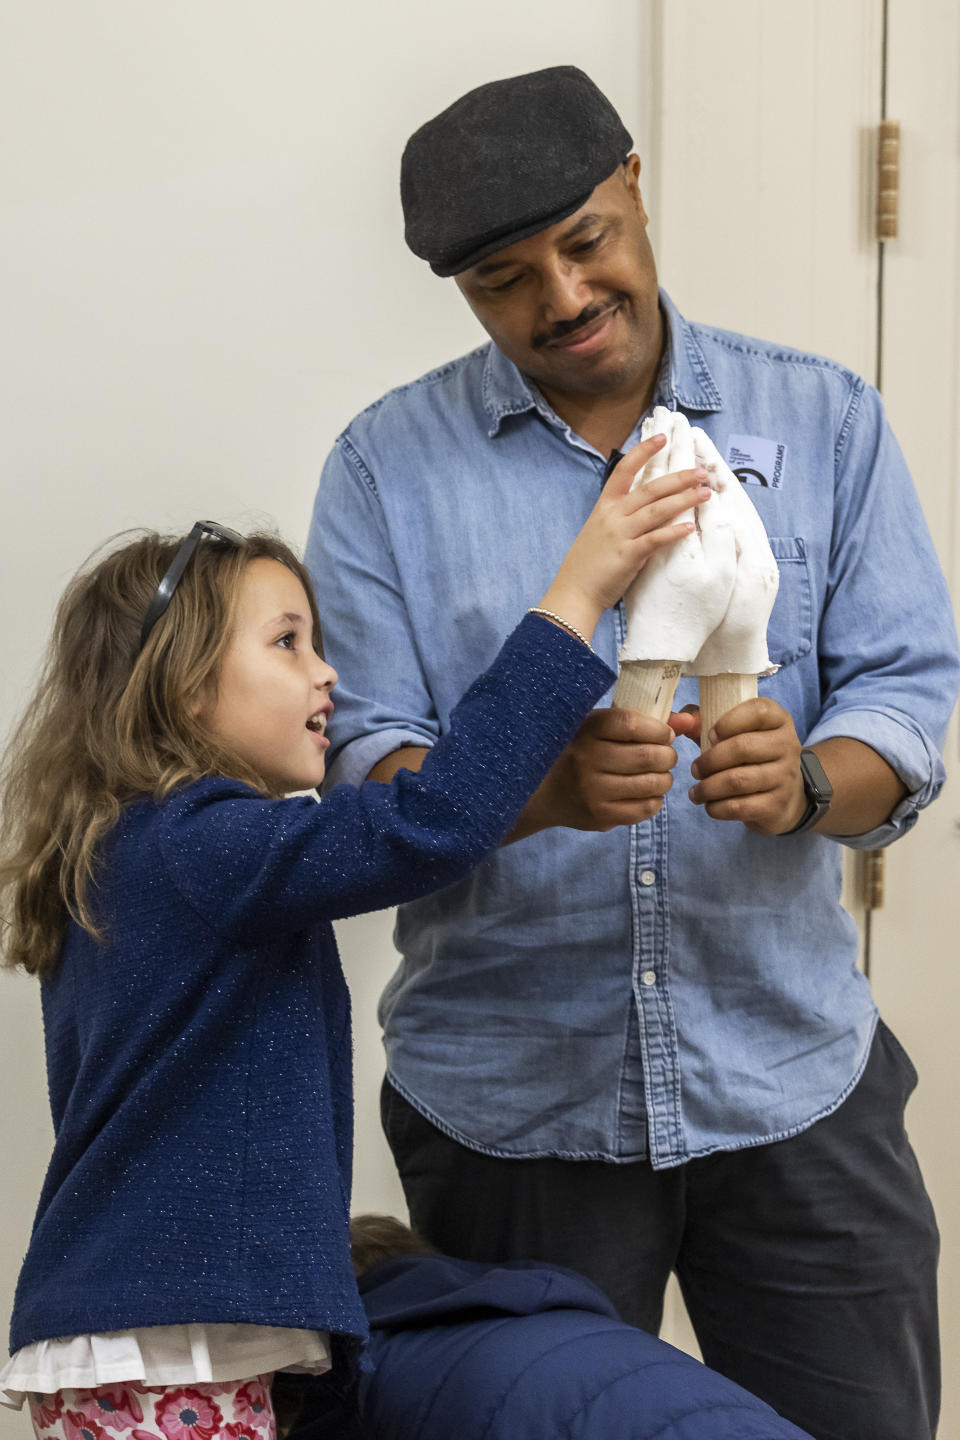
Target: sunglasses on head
column 170, row 581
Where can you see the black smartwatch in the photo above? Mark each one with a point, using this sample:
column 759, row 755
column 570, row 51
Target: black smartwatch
column 818, row 790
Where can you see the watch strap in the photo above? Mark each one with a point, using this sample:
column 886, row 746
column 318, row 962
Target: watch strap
column 818, row 790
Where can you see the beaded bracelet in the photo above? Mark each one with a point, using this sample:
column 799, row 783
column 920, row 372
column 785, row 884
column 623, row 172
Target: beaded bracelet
column 564, row 624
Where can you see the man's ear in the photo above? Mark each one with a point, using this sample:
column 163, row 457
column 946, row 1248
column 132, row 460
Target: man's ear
column 631, row 179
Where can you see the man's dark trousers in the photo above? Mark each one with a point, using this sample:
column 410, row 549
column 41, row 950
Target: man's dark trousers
column 808, row 1267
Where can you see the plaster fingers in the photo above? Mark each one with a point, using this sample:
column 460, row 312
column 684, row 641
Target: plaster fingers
column 736, row 652
column 738, row 644
column 676, row 454
column 681, row 594
column 648, row 686
column 718, row 694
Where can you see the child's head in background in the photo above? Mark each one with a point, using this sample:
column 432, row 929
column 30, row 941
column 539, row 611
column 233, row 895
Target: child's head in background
column 152, row 681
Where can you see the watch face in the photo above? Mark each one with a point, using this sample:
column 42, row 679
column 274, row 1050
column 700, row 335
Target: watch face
column 815, row 782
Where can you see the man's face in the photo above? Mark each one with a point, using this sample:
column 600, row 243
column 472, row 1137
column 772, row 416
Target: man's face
column 575, row 306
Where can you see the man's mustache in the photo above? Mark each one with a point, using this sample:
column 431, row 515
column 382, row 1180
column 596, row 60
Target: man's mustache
column 563, row 328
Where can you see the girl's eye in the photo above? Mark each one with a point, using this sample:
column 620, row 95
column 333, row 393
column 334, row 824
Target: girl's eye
column 289, row 640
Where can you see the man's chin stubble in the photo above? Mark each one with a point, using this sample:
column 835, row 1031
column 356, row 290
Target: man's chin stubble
column 589, row 381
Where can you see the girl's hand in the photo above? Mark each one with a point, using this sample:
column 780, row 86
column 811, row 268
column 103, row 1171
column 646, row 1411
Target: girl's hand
column 623, row 530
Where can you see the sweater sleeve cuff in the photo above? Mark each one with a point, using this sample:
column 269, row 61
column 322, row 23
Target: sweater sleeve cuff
column 544, row 645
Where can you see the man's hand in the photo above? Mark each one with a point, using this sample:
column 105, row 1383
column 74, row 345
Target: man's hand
column 615, row 771
column 751, row 772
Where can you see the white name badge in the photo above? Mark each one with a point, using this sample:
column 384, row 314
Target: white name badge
column 756, row 461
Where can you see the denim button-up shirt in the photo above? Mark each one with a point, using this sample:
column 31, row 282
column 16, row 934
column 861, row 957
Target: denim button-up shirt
column 679, row 986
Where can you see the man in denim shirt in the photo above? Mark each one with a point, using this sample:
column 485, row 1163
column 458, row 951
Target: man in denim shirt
column 638, row 1040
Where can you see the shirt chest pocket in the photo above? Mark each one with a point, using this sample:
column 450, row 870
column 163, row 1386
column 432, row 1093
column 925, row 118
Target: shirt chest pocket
column 790, row 631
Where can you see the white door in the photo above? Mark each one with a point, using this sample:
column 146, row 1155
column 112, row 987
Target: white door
column 914, row 939
column 761, row 190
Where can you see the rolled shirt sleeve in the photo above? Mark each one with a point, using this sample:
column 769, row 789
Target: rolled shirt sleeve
column 887, row 643
column 252, row 866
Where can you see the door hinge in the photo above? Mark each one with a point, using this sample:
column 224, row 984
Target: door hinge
column 888, row 179
column 874, row 863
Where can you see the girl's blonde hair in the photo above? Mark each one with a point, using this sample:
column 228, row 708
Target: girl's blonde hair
column 109, row 722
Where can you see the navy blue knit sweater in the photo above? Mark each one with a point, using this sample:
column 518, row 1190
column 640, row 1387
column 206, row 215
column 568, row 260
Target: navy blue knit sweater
column 199, row 1060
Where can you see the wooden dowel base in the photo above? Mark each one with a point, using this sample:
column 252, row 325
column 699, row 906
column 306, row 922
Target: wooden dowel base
column 718, row 694
column 648, row 686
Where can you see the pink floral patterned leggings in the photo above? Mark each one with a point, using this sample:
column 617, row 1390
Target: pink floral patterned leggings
column 224, row 1410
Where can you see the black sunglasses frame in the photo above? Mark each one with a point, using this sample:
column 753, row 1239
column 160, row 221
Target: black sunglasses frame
column 173, row 576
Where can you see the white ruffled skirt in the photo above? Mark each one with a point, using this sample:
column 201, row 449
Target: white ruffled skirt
column 160, row 1355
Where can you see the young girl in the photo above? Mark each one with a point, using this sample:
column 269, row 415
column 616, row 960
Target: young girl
column 192, row 1232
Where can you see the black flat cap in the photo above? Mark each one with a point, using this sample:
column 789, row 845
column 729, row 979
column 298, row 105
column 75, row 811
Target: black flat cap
column 504, row 161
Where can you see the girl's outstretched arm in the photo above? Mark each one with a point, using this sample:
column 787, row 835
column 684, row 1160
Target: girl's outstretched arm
column 245, row 862
column 251, row 865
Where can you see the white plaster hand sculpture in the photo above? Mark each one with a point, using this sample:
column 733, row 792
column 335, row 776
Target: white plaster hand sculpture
column 702, row 606
column 736, row 653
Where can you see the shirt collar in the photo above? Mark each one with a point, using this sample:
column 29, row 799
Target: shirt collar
column 685, row 379
column 505, row 391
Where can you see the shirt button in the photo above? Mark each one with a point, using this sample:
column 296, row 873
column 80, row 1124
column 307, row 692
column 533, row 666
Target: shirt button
column 647, row 877
column 649, row 977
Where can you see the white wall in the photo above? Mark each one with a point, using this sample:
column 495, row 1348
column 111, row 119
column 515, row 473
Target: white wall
column 204, row 278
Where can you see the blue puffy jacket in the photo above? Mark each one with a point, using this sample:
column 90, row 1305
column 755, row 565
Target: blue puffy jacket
column 527, row 1351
